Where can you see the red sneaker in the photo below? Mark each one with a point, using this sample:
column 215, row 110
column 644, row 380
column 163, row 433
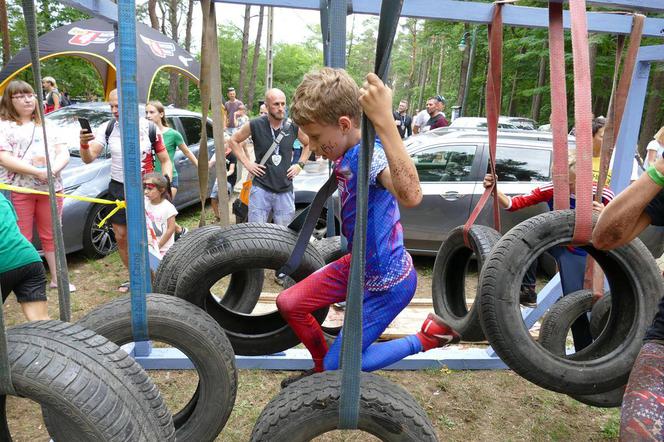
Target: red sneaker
column 435, row 333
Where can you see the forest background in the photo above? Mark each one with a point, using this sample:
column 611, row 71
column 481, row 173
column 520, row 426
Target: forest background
column 426, row 60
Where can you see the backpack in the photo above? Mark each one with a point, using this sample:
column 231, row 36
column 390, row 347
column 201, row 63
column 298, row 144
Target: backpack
column 152, row 131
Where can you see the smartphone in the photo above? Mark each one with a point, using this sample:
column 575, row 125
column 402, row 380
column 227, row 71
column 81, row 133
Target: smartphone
column 85, row 124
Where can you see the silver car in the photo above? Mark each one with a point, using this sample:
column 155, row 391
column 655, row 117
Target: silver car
column 451, row 163
column 79, row 219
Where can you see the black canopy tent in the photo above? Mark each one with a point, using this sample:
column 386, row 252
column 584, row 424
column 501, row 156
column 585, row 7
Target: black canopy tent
column 94, row 41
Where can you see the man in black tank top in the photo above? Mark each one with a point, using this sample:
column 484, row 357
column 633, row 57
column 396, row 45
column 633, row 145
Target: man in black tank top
column 272, row 190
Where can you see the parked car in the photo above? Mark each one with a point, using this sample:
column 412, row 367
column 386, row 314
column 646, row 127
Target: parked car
column 514, row 123
column 451, row 163
column 79, row 219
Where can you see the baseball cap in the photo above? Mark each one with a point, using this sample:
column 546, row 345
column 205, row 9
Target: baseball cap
column 441, row 99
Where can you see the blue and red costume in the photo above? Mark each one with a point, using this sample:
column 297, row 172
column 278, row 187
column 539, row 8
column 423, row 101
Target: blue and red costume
column 390, row 279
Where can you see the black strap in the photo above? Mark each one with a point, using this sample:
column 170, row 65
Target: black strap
column 109, row 130
column 306, row 222
column 351, row 345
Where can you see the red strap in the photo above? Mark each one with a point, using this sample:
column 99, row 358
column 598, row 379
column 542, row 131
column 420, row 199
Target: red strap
column 559, row 108
column 583, row 118
column 619, row 99
column 493, row 95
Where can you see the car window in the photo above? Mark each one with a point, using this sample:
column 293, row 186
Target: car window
column 192, row 129
column 523, row 164
column 171, row 122
column 445, row 163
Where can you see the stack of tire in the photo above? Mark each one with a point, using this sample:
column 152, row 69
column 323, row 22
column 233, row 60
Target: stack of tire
column 597, row 373
column 242, row 252
column 89, row 389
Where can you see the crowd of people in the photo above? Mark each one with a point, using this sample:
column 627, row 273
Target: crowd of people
column 325, row 112
column 432, row 117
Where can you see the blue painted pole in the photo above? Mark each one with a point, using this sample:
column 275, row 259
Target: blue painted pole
column 139, row 269
column 629, row 129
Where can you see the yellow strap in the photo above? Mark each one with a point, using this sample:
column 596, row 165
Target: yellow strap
column 118, row 204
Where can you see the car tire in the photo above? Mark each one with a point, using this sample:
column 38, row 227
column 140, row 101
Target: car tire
column 449, row 279
column 310, row 407
column 98, row 241
column 247, row 246
column 553, row 336
column 600, row 315
column 605, row 364
column 244, row 287
column 182, row 326
column 89, row 389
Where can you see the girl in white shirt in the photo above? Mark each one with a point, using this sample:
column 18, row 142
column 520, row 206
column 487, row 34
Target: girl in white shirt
column 159, row 216
column 655, row 148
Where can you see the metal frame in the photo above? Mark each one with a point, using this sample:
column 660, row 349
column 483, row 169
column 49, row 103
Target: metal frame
column 452, row 10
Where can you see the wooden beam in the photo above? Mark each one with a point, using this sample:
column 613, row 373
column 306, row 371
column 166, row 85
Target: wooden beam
column 103, row 9
column 480, row 13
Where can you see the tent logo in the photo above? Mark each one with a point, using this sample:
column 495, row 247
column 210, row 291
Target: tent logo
column 85, row 37
column 161, row 49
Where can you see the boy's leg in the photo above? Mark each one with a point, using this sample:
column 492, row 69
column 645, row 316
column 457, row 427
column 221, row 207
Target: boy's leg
column 29, row 285
column 379, row 310
column 322, row 288
column 572, row 268
column 642, row 416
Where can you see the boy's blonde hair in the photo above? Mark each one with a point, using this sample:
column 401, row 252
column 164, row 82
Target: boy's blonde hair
column 324, row 96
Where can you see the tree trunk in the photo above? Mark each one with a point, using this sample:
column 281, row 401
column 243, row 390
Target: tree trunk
column 651, row 120
column 152, row 11
column 413, row 57
column 4, row 32
column 174, row 76
column 537, row 98
column 163, row 17
column 441, row 57
column 245, row 53
column 183, row 99
column 350, row 39
column 254, row 67
column 592, row 55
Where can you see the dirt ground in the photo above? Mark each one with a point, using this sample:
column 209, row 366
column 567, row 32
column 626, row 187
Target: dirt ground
column 463, row 405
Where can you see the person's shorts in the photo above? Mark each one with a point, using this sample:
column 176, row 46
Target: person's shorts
column 215, row 189
column 116, row 192
column 262, row 203
column 28, row 283
column 175, row 182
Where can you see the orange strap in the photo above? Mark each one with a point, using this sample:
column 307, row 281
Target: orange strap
column 619, row 99
column 493, row 95
column 559, row 107
column 583, row 118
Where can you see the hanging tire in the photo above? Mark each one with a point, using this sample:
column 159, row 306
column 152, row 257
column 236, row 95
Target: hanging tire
column 244, row 287
column 553, row 336
column 310, row 407
column 605, row 364
column 600, row 315
column 247, row 246
column 449, row 279
column 185, row 327
column 330, row 248
column 90, row 388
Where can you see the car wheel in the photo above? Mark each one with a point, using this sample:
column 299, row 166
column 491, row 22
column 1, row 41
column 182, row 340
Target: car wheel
column 98, row 241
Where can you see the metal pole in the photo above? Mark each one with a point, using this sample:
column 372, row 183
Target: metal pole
column 268, row 47
column 469, row 71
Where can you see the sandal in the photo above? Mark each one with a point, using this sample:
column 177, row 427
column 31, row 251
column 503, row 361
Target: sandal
column 124, row 287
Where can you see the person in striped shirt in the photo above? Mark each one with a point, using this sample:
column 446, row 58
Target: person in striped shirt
column 571, row 260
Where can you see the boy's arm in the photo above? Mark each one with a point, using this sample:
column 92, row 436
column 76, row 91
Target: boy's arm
column 400, row 177
column 503, row 199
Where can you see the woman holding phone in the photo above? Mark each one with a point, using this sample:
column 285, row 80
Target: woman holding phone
column 23, row 164
column 155, row 112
